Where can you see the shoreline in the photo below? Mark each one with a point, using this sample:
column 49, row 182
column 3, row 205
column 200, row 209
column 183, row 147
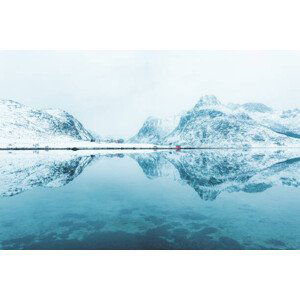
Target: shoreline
column 135, row 148
column 98, row 148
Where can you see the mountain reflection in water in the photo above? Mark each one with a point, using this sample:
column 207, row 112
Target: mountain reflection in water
column 204, row 199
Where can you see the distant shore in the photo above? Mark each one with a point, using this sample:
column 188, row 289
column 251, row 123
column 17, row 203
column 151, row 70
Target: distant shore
column 99, row 148
column 135, row 148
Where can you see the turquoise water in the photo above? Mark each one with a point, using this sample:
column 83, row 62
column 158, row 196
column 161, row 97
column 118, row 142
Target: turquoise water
column 176, row 200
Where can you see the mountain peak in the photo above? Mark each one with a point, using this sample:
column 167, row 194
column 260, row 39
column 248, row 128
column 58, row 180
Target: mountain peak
column 256, row 107
column 208, row 100
column 155, row 129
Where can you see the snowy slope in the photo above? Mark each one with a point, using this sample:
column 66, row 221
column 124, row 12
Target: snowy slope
column 154, row 130
column 20, row 124
column 212, row 124
column 286, row 122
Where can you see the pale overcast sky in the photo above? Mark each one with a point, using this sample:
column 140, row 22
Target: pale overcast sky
column 114, row 92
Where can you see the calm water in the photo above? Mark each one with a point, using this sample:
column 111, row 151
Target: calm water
column 158, row 200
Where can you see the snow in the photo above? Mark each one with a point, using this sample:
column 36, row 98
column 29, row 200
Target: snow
column 155, row 129
column 286, row 121
column 209, row 124
column 212, row 124
column 65, row 143
column 20, row 124
column 24, row 127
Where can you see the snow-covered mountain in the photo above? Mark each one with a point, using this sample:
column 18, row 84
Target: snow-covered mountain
column 286, row 122
column 154, row 130
column 20, row 124
column 210, row 123
column 207, row 101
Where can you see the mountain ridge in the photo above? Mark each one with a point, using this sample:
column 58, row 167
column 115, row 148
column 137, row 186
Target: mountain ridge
column 210, row 123
column 22, row 124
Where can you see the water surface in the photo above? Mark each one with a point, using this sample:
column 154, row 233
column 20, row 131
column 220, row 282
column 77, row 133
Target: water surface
column 159, row 200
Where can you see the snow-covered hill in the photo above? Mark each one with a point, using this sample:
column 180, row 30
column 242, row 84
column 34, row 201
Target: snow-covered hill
column 22, row 125
column 210, row 123
column 154, row 130
column 286, row 122
column 215, row 126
